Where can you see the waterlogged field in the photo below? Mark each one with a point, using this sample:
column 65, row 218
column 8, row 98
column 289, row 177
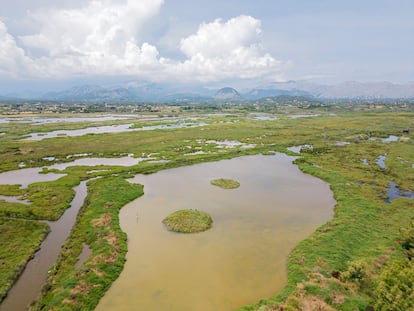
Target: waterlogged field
column 353, row 261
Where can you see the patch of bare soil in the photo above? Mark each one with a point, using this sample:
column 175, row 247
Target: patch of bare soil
column 102, row 221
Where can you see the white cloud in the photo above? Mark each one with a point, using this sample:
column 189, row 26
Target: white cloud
column 221, row 50
column 102, row 25
column 13, row 60
column 104, row 38
column 217, row 38
column 100, row 38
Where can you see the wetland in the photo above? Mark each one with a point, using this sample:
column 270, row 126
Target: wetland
column 263, row 251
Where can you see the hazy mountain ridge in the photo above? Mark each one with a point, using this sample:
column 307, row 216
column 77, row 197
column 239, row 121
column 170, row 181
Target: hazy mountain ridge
column 370, row 90
column 91, row 93
column 227, row 93
column 344, row 90
column 144, row 91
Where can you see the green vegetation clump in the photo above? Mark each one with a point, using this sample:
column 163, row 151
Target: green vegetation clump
column 394, row 287
column 188, row 221
column 225, row 183
column 394, row 291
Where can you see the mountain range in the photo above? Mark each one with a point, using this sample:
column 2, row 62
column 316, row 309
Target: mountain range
column 152, row 92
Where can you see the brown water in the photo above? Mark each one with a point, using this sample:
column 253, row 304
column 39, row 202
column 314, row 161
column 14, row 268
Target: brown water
column 28, row 286
column 27, row 176
column 241, row 259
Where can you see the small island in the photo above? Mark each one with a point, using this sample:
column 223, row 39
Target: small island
column 225, row 183
column 188, row 221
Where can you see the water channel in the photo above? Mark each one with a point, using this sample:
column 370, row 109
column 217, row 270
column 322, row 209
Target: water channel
column 28, row 286
column 241, row 259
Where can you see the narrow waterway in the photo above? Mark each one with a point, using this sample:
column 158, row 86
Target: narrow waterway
column 118, row 128
column 28, row 286
column 241, row 259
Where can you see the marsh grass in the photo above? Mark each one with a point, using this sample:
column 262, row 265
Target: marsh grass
column 188, row 221
column 19, row 240
column 225, row 183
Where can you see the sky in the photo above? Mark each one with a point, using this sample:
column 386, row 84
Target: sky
column 49, row 44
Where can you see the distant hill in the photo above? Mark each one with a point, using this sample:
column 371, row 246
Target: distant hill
column 91, row 93
column 261, row 93
column 345, row 90
column 132, row 91
column 227, row 93
column 372, row 90
column 142, row 91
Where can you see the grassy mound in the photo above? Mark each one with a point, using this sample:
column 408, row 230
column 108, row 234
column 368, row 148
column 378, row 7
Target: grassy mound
column 225, row 183
column 188, row 221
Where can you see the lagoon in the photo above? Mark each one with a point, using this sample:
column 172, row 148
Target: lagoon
column 241, row 259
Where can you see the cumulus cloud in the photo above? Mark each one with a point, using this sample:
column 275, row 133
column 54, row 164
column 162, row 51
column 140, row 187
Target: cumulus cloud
column 219, row 38
column 100, row 38
column 13, row 60
column 221, row 50
column 104, row 37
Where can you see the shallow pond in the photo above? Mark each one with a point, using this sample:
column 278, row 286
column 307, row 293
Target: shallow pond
column 381, row 161
column 241, row 259
column 389, row 139
column 26, row 176
column 13, row 199
column 123, row 161
column 393, row 192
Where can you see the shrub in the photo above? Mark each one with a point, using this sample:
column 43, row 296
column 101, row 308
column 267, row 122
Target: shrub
column 356, row 272
column 407, row 241
column 394, row 290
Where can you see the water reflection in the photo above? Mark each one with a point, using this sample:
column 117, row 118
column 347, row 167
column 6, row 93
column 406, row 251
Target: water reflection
column 26, row 176
column 393, row 192
column 13, row 199
column 46, row 120
column 381, row 161
column 389, row 139
column 123, row 161
column 109, row 129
